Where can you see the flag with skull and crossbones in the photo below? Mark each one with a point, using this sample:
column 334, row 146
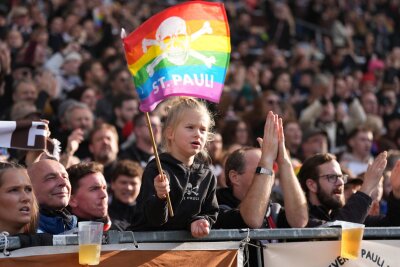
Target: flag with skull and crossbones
column 183, row 50
column 174, row 41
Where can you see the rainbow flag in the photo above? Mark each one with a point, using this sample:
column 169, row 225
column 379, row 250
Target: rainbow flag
column 183, row 50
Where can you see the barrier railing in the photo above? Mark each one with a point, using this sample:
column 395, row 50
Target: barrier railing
column 115, row 237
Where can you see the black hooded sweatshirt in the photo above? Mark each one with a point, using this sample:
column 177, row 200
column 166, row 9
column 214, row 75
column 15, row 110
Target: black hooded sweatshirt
column 193, row 196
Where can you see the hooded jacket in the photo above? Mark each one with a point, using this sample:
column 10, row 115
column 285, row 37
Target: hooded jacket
column 192, row 195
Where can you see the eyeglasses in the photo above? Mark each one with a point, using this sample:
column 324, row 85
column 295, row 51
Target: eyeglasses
column 333, row 178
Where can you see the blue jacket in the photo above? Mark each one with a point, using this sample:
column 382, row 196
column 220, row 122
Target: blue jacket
column 56, row 222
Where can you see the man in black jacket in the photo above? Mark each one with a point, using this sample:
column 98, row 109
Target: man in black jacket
column 125, row 184
column 322, row 180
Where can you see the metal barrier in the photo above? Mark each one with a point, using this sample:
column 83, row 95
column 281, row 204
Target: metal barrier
column 115, row 237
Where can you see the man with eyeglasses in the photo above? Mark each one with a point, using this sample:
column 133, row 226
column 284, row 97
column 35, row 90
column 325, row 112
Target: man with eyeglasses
column 323, row 182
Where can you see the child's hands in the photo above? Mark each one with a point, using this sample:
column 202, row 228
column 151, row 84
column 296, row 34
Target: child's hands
column 200, row 228
column 161, row 184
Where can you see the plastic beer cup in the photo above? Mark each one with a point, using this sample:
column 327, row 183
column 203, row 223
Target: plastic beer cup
column 90, row 236
column 352, row 234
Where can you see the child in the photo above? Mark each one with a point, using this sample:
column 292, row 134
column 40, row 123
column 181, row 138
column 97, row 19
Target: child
column 189, row 181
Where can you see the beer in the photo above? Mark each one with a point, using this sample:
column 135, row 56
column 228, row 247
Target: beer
column 351, row 242
column 89, row 254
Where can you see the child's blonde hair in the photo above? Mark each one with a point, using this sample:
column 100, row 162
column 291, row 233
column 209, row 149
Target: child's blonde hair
column 176, row 108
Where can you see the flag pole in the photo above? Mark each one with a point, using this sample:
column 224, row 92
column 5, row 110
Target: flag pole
column 170, row 210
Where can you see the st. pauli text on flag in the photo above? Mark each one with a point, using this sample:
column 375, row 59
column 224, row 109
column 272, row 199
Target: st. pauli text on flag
column 181, row 51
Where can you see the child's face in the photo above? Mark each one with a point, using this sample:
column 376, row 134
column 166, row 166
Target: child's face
column 189, row 136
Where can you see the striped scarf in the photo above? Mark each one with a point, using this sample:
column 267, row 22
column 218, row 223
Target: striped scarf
column 28, row 135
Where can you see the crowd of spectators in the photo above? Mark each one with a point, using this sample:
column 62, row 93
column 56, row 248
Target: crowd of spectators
column 329, row 69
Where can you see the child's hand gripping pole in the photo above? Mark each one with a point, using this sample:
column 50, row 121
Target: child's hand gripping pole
column 170, row 211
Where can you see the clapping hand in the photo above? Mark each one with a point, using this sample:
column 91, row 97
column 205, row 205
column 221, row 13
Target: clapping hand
column 269, row 143
column 374, row 173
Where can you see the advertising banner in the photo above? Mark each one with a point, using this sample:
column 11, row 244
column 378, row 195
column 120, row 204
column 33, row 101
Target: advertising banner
column 374, row 253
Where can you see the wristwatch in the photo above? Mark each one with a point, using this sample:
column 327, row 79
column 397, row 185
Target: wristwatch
column 262, row 170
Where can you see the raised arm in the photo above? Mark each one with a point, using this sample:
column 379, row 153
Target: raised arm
column 374, row 174
column 295, row 202
column 392, row 217
column 255, row 203
column 74, row 139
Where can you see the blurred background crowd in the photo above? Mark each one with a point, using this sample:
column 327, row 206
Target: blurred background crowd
column 329, row 68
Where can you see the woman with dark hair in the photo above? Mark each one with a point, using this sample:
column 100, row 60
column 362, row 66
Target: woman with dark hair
column 18, row 206
column 235, row 134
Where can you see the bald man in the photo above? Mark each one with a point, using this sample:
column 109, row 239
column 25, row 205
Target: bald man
column 52, row 188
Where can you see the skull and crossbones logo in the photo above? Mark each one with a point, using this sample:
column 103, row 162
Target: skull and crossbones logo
column 173, row 39
column 191, row 190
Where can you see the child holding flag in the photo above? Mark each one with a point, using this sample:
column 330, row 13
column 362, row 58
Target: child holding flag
column 183, row 50
column 188, row 179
